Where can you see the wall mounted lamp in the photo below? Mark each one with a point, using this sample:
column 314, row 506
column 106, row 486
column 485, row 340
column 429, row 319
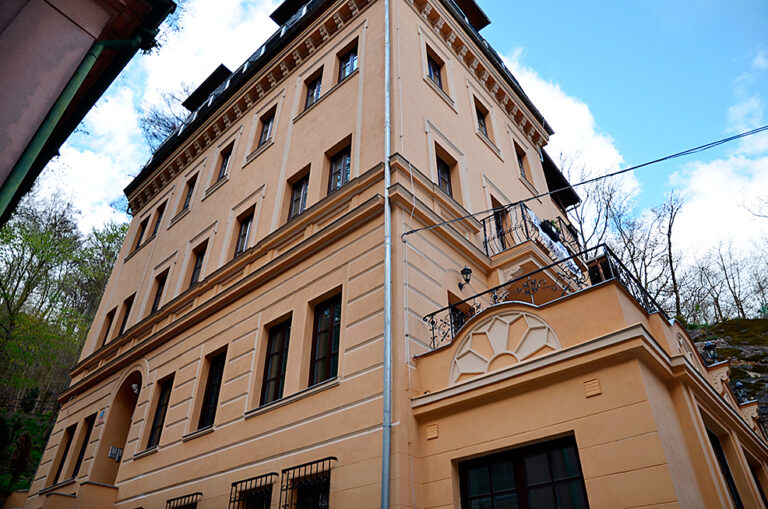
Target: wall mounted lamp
column 466, row 274
column 710, row 352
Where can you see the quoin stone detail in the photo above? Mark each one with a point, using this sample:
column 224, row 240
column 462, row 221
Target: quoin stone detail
column 501, row 341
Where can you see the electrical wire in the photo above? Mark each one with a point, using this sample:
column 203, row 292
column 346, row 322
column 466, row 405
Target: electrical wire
column 700, row 148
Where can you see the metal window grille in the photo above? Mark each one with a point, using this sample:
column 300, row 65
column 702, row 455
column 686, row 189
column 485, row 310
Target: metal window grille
column 253, row 493
column 185, row 502
column 307, row 486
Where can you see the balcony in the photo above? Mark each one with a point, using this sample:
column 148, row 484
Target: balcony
column 514, row 224
column 565, row 276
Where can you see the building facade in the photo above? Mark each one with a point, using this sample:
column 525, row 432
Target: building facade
column 238, row 357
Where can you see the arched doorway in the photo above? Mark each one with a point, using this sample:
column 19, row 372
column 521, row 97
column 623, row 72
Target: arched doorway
column 116, row 431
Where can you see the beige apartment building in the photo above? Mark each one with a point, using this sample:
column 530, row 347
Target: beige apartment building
column 350, row 280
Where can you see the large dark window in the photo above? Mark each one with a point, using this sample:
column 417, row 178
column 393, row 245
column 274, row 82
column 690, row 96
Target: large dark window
column 339, row 170
column 224, row 159
column 127, row 305
column 266, row 129
column 160, row 411
column 69, row 434
column 140, row 233
column 546, row 475
column 107, row 326
column 313, row 91
column 307, row 486
column 444, row 177
column 212, row 388
column 717, row 447
column 325, row 341
column 190, row 190
column 347, row 63
column 253, row 493
column 158, row 219
column 276, row 359
column 298, row 197
column 244, row 230
column 159, row 287
column 197, row 268
column 84, row 445
column 434, row 70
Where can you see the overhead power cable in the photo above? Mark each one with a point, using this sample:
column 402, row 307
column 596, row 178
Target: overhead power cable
column 700, row 148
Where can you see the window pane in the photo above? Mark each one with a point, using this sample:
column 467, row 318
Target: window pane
column 536, row 468
column 508, row 501
column 478, row 481
column 481, row 503
column 541, row 498
column 570, row 495
column 503, row 476
column 565, row 465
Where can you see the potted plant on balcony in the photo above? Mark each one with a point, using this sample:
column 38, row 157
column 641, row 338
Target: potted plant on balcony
column 549, row 227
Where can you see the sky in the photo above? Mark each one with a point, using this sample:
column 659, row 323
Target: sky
column 621, row 83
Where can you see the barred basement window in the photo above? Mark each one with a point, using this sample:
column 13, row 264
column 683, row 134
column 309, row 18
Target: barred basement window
column 307, row 486
column 253, row 493
column 186, row 502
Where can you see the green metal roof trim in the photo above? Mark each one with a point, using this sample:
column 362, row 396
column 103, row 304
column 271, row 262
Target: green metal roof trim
column 28, row 167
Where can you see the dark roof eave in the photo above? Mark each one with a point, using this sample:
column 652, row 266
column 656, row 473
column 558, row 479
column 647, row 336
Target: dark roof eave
column 556, row 180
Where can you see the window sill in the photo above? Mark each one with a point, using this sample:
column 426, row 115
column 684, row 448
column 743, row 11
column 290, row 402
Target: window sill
column 491, row 145
column 145, row 452
column 322, row 97
column 197, row 433
column 175, row 219
column 140, row 247
column 57, row 486
column 261, row 148
column 223, row 180
column 442, row 93
column 333, row 382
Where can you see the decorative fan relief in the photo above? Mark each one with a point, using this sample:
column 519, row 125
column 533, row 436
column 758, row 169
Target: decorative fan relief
column 500, row 341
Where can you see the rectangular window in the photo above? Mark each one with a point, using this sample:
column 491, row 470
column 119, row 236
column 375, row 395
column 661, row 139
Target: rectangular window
column 140, row 233
column 224, row 159
column 541, row 475
column 307, row 486
column 159, row 287
column 158, row 219
column 66, row 443
column 190, row 190
column 347, row 64
column 266, row 129
column 325, row 341
column 434, row 70
column 127, row 305
column 522, row 162
column 186, row 502
column 313, row 90
column 444, row 176
column 197, row 268
column 212, row 388
column 253, row 493
column 717, row 447
column 276, row 360
column 481, row 122
column 107, row 326
column 83, row 446
column 500, row 226
column 339, row 170
column 243, row 232
column 298, row 197
column 160, row 411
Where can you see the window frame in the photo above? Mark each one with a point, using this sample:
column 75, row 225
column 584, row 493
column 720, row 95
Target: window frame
column 108, row 320
column 214, row 379
column 244, row 225
column 126, row 312
column 158, row 218
column 88, row 423
column 161, row 410
column 444, row 175
column 725, row 468
column 314, row 87
column 278, row 341
column 516, row 457
column 435, row 68
column 140, row 234
column 300, row 186
column 69, row 436
column 267, row 127
column 197, row 264
column 190, row 188
column 225, row 159
column 160, row 282
column 341, row 164
column 333, row 334
column 348, row 62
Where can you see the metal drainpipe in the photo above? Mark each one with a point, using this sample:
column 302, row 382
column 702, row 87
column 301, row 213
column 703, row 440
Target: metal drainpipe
column 45, row 130
column 386, row 423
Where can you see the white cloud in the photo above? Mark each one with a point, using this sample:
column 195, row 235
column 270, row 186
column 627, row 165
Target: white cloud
column 716, row 196
column 760, row 63
column 576, row 130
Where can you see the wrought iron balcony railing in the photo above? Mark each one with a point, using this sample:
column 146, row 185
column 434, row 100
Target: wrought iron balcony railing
column 514, row 224
column 568, row 275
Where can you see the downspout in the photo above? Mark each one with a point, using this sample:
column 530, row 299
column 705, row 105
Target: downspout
column 386, row 424
column 35, row 146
